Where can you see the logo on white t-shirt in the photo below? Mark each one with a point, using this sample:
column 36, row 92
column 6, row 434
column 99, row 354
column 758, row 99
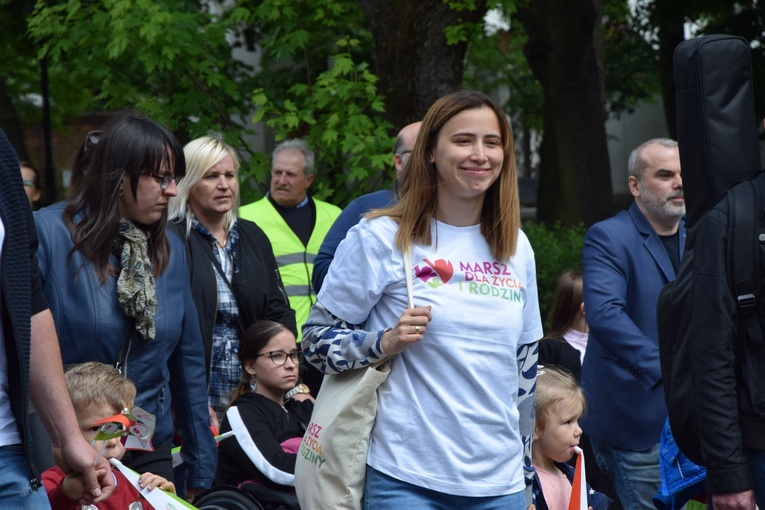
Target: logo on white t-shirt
column 490, row 278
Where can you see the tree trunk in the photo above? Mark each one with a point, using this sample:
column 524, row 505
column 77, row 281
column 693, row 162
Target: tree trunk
column 415, row 64
column 11, row 123
column 668, row 17
column 564, row 52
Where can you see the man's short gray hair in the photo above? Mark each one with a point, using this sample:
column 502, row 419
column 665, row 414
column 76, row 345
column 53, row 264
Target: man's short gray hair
column 298, row 145
column 636, row 164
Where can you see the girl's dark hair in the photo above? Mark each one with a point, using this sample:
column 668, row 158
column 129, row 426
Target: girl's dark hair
column 130, row 145
column 250, row 344
column 82, row 159
column 34, row 169
column 567, row 301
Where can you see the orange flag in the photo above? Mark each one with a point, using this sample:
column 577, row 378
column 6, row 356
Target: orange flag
column 578, row 500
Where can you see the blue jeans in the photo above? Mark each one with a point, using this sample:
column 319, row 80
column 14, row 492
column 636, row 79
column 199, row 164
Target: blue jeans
column 635, row 474
column 384, row 492
column 757, row 466
column 14, row 482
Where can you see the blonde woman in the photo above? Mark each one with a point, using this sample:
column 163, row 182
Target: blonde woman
column 234, row 277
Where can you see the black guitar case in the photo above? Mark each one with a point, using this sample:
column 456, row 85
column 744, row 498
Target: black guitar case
column 717, row 137
column 716, row 125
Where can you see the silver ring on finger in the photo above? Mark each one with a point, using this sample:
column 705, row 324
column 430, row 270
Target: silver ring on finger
column 417, row 330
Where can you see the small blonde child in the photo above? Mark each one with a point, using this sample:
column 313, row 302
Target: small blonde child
column 560, row 404
column 99, row 391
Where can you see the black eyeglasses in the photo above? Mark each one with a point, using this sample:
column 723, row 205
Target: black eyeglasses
column 164, row 180
column 279, row 358
column 29, row 184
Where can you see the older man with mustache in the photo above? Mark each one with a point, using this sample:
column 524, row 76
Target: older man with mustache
column 627, row 260
column 294, row 222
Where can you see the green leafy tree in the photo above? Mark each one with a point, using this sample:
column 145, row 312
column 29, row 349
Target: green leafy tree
column 664, row 25
column 20, row 79
column 346, row 74
column 173, row 61
column 170, row 60
column 562, row 82
column 557, row 248
column 630, row 63
column 340, row 115
column 420, row 50
column 564, row 50
column 496, row 63
column 316, row 83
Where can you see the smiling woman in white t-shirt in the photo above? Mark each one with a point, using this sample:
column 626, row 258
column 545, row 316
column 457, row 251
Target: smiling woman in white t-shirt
column 454, row 422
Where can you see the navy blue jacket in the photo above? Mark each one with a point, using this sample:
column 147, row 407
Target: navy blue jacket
column 597, row 500
column 168, row 371
column 625, row 266
column 19, row 300
column 350, row 216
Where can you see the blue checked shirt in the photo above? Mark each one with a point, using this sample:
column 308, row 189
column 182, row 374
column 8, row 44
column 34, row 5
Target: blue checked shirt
column 225, row 367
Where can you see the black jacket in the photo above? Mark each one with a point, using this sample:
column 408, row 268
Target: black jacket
column 265, row 444
column 257, row 285
column 557, row 352
column 725, row 383
column 21, row 288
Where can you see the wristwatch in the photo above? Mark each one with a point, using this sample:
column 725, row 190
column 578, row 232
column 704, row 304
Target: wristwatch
column 300, row 388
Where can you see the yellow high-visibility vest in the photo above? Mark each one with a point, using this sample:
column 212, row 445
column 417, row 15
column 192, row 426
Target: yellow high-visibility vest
column 295, row 260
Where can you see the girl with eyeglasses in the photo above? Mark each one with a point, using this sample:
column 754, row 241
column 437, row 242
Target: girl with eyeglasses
column 268, row 427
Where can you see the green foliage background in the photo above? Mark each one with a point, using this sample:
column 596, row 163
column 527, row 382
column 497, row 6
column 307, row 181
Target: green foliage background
column 557, row 248
column 172, row 60
column 314, row 78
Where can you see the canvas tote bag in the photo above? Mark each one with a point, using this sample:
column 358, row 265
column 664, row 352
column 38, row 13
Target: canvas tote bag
column 332, row 459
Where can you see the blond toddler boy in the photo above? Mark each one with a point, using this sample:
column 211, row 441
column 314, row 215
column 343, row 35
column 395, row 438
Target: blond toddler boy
column 99, row 391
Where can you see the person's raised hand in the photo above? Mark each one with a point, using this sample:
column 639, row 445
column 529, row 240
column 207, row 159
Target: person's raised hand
column 79, row 456
column 193, row 492
column 213, row 419
column 73, row 486
column 409, row 329
column 736, row 501
column 150, row 481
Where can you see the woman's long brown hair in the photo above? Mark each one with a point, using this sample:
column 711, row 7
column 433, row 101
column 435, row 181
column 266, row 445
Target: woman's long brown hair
column 418, row 191
column 567, row 301
column 129, row 146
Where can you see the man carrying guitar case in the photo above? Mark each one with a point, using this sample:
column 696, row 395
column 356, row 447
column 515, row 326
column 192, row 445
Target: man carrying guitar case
column 710, row 318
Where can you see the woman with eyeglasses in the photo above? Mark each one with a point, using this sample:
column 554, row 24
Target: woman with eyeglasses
column 267, row 426
column 118, row 288
column 234, row 277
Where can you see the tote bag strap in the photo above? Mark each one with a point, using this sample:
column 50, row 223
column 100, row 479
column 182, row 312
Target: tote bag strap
column 408, row 271
column 409, row 291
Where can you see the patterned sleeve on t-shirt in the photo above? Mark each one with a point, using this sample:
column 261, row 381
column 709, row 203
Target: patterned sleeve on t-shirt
column 334, row 345
column 527, row 356
column 334, row 336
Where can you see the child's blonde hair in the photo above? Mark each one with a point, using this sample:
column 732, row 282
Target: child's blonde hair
column 96, row 383
column 555, row 386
